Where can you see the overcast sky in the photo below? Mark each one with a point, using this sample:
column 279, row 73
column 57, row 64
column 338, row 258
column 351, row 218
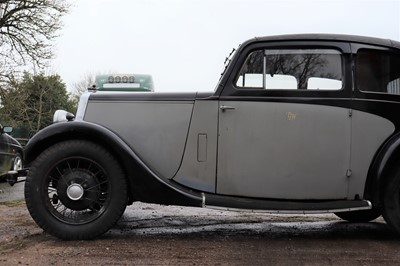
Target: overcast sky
column 183, row 43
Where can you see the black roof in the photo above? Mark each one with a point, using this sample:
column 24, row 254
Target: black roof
column 329, row 37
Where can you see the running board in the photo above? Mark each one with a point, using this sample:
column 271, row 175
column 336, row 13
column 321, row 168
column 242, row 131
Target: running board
column 282, row 206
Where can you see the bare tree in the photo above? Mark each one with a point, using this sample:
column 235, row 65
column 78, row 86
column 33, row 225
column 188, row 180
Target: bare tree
column 27, row 29
column 81, row 86
column 86, row 82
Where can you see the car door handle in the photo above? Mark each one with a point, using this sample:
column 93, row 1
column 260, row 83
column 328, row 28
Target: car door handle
column 225, row 107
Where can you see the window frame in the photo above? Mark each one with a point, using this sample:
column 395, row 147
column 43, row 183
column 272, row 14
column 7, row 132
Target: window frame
column 359, row 48
column 227, row 88
column 267, row 51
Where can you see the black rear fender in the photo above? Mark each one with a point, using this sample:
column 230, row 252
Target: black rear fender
column 386, row 161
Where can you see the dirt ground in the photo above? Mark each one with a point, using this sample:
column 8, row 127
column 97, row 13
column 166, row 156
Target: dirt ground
column 161, row 235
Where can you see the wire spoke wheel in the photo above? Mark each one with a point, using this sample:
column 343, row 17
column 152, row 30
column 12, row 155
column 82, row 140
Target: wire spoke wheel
column 75, row 190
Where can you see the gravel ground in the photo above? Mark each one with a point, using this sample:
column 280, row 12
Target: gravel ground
column 151, row 234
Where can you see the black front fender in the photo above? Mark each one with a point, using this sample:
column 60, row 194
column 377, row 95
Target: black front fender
column 70, row 130
column 146, row 185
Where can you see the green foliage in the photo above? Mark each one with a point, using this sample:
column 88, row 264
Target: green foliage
column 28, row 29
column 29, row 104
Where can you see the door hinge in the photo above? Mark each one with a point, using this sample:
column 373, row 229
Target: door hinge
column 350, row 113
column 348, row 172
column 353, row 86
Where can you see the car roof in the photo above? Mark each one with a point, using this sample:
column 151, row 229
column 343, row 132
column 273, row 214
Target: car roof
column 327, row 37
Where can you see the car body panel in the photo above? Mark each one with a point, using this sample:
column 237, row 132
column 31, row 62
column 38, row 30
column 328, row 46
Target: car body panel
column 157, row 131
column 292, row 151
column 368, row 132
column 200, row 160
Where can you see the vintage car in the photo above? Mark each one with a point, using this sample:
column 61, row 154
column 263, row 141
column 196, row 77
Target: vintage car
column 297, row 124
column 11, row 153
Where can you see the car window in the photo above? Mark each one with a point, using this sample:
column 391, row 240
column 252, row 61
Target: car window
column 292, row 69
column 378, row 71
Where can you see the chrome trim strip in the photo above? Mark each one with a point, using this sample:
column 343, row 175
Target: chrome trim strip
column 83, row 102
column 203, row 201
column 290, row 211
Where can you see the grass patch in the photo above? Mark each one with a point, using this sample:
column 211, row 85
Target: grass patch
column 13, row 203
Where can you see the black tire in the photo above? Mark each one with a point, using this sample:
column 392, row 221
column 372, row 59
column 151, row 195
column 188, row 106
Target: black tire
column 362, row 216
column 76, row 190
column 391, row 202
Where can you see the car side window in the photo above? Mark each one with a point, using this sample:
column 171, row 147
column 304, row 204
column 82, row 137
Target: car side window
column 292, row 69
column 378, row 71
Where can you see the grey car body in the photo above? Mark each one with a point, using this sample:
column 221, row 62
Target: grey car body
column 297, row 123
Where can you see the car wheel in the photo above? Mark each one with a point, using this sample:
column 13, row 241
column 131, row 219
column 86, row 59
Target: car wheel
column 17, row 163
column 361, row 216
column 76, row 190
column 391, row 202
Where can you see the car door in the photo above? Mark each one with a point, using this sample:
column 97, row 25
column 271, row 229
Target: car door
column 284, row 124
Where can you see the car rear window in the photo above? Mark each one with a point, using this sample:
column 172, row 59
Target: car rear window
column 378, row 71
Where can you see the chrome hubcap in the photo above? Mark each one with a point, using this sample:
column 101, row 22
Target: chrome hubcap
column 75, row 191
column 17, row 164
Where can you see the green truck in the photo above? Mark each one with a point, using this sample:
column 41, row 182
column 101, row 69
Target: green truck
column 124, row 82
